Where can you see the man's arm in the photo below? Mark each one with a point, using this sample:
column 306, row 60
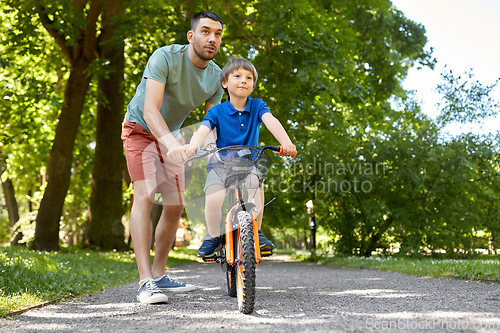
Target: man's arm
column 274, row 126
column 156, row 123
column 211, row 137
column 207, row 107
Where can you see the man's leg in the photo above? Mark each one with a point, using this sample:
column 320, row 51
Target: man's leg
column 173, row 205
column 141, row 227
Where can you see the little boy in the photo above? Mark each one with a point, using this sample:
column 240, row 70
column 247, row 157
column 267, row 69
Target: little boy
column 237, row 122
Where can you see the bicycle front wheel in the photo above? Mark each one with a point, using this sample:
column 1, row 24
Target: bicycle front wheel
column 245, row 269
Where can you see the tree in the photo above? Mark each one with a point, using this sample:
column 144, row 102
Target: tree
column 105, row 228
column 30, row 97
column 73, row 27
column 465, row 100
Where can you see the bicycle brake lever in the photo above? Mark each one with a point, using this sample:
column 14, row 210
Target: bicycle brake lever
column 200, row 152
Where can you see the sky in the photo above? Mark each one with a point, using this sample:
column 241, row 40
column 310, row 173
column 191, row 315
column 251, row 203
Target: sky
column 465, row 34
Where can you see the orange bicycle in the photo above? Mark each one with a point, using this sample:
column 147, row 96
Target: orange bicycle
column 239, row 168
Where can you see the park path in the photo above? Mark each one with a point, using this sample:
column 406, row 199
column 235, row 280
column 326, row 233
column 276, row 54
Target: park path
column 291, row 297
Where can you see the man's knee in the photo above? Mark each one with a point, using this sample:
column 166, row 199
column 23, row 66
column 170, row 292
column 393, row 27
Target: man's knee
column 173, row 210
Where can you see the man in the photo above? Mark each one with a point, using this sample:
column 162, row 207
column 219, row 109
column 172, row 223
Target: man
column 177, row 79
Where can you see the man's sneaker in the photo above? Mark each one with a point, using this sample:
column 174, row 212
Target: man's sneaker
column 149, row 293
column 265, row 244
column 208, row 247
column 169, row 283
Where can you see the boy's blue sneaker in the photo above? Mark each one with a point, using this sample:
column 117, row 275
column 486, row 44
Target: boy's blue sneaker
column 208, row 247
column 149, row 293
column 265, row 244
column 170, row 283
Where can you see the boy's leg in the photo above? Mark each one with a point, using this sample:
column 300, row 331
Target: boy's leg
column 214, row 199
column 215, row 195
column 258, row 196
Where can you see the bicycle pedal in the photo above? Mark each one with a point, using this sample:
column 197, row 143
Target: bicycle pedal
column 209, row 259
column 266, row 253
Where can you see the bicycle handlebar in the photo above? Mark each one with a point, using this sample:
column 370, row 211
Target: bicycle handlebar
column 200, row 152
column 278, row 149
column 203, row 151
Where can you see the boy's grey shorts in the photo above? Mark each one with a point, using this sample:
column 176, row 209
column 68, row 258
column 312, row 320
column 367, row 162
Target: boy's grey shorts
column 212, row 179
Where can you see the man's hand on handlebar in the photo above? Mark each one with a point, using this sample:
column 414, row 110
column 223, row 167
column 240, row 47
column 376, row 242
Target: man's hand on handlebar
column 190, row 150
column 179, row 154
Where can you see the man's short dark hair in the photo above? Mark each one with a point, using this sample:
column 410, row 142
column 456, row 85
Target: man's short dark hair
column 204, row 14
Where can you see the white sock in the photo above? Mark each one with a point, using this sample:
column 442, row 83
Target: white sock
column 158, row 279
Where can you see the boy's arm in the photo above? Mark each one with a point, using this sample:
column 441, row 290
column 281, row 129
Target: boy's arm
column 274, row 126
column 197, row 140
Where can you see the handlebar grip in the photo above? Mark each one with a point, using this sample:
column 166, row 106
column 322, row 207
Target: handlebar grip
column 280, row 152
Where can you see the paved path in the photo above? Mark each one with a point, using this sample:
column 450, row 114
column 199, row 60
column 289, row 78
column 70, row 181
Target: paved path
column 291, row 297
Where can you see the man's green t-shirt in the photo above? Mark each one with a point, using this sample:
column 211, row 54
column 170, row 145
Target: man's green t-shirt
column 186, row 86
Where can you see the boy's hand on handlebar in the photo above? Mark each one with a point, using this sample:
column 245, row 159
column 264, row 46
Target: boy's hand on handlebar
column 288, row 150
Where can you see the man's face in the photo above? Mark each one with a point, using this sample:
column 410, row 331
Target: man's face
column 206, row 38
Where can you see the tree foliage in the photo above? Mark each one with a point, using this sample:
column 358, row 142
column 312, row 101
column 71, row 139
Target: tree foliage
column 380, row 175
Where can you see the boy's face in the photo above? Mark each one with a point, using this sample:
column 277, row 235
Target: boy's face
column 239, row 83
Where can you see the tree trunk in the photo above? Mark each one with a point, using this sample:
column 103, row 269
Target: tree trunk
column 61, row 156
column 105, row 228
column 10, row 201
column 12, row 209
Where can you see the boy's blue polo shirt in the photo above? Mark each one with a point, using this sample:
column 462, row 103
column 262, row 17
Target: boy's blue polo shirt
column 236, row 127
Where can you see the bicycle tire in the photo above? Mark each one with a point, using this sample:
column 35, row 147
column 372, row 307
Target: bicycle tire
column 245, row 269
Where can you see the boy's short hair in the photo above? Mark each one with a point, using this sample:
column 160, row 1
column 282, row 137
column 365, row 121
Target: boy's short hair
column 235, row 63
column 204, row 14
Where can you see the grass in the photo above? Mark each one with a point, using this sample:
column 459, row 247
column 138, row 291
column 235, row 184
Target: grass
column 484, row 269
column 29, row 278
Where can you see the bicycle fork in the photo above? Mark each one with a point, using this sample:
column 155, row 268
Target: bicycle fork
column 232, row 224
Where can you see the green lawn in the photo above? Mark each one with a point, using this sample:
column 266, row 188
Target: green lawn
column 30, row 278
column 484, row 269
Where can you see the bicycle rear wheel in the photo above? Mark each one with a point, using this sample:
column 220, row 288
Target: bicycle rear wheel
column 245, row 269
